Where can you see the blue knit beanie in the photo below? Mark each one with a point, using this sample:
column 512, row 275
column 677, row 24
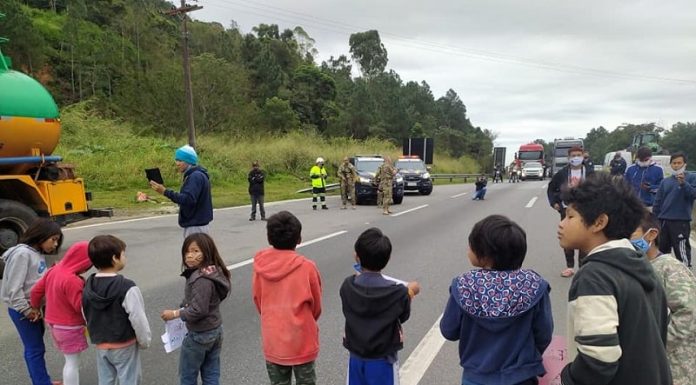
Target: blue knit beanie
column 186, row 154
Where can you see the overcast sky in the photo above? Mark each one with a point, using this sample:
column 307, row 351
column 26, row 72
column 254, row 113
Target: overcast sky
column 525, row 69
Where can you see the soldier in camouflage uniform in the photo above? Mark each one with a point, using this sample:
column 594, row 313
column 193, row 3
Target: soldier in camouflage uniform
column 347, row 175
column 680, row 289
column 385, row 178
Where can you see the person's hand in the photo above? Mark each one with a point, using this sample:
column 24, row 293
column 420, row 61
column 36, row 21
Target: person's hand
column 168, row 315
column 557, row 207
column 33, row 315
column 157, row 187
column 645, row 186
column 413, row 288
column 680, row 178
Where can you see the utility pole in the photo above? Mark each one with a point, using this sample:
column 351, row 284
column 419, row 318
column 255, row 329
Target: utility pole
column 182, row 11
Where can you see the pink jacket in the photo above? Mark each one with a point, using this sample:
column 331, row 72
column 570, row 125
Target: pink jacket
column 62, row 286
column 287, row 292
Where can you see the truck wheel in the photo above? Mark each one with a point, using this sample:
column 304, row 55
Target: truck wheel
column 15, row 218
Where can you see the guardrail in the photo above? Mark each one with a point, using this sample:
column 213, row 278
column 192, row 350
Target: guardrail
column 451, row 177
column 329, row 187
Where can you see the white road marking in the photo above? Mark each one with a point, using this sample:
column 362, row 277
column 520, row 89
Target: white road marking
column 531, row 202
column 459, row 195
column 303, row 244
column 544, row 186
column 422, row 356
column 409, row 210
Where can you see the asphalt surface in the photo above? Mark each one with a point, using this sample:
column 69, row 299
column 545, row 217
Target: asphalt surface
column 429, row 245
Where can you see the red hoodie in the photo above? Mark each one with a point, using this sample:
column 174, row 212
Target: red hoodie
column 62, row 286
column 287, row 292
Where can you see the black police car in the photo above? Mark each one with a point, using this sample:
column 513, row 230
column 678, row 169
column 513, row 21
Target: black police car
column 416, row 174
column 365, row 187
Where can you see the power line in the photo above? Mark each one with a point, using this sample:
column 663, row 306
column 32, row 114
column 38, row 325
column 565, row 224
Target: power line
column 341, row 27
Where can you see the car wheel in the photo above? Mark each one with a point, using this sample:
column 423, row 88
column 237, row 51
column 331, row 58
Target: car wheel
column 398, row 199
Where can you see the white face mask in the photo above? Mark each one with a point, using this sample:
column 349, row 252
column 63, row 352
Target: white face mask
column 576, row 161
column 645, row 163
column 680, row 170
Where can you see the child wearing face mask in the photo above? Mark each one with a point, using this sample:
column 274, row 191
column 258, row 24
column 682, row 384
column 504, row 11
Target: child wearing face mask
column 644, row 176
column 568, row 177
column 680, row 288
column 207, row 285
column 674, row 203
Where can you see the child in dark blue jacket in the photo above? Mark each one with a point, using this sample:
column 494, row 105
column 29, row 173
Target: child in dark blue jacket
column 500, row 313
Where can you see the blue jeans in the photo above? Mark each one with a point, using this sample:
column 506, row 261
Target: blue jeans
column 31, row 334
column 200, row 353
column 254, row 200
column 119, row 364
column 372, row 371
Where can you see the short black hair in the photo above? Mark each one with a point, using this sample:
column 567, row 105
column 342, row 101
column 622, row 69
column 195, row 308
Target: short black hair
column 603, row 194
column 373, row 249
column 40, row 230
column 575, row 149
column 283, row 230
column 103, row 248
column 643, row 153
column 676, row 155
column 211, row 255
column 650, row 221
column 497, row 239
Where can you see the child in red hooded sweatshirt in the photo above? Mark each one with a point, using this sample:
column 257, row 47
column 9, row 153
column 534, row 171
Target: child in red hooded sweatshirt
column 287, row 293
column 62, row 287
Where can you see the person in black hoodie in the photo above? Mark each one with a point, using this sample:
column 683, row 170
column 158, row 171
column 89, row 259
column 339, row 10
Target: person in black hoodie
column 499, row 312
column 617, row 311
column 256, row 179
column 569, row 176
column 375, row 307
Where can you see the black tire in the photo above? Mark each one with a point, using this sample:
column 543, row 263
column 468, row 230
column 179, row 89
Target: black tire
column 398, row 199
column 15, row 218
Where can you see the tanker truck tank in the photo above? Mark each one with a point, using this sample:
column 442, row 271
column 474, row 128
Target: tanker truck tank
column 29, row 123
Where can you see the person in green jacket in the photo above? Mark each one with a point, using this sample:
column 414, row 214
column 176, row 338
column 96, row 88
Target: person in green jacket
column 318, row 176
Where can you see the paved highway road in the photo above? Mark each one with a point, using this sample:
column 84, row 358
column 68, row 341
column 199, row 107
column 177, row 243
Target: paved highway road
column 429, row 234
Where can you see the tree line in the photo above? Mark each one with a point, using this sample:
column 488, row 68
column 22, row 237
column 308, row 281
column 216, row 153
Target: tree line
column 123, row 56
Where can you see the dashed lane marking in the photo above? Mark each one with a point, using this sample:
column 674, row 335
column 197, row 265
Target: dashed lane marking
column 409, row 210
column 459, row 195
column 544, row 186
column 303, row 244
column 531, row 202
column 419, row 361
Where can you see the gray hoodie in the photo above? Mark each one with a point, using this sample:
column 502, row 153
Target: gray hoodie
column 24, row 266
column 205, row 288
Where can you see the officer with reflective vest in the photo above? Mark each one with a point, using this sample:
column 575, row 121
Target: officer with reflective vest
column 318, row 176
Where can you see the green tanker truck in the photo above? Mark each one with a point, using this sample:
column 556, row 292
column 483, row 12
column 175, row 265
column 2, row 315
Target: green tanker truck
column 33, row 182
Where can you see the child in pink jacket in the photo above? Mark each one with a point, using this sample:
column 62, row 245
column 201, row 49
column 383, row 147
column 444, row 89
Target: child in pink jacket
column 62, row 287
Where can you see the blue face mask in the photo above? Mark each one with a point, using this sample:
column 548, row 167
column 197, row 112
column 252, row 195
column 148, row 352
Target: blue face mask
column 641, row 244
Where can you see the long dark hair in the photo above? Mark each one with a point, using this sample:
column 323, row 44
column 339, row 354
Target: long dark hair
column 39, row 232
column 211, row 256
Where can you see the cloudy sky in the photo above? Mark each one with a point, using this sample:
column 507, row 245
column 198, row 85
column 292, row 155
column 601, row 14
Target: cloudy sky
column 525, row 69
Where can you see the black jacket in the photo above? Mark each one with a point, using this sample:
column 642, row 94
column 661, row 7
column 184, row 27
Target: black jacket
column 373, row 318
column 256, row 178
column 619, row 311
column 560, row 181
column 617, row 166
column 102, row 305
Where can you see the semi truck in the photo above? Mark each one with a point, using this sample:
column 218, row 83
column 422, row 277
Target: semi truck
column 33, row 181
column 560, row 152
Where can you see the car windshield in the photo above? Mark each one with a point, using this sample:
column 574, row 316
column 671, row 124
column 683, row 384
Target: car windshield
column 416, row 165
column 532, row 165
column 368, row 165
column 529, row 155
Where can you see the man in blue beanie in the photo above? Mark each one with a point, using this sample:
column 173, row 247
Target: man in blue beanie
column 194, row 199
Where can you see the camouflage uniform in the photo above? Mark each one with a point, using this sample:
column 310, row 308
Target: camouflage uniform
column 680, row 289
column 282, row 375
column 347, row 175
column 384, row 178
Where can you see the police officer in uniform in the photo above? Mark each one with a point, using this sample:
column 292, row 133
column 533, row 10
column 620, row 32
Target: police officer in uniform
column 347, row 175
column 318, row 176
column 385, row 178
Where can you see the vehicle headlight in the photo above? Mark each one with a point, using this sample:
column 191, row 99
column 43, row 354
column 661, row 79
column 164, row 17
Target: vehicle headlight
column 399, row 179
column 365, row 180
column 426, row 175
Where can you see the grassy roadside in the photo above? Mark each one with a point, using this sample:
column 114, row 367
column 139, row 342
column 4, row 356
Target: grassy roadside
column 112, row 155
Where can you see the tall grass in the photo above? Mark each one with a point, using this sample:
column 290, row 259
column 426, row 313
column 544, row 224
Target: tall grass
column 111, row 157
